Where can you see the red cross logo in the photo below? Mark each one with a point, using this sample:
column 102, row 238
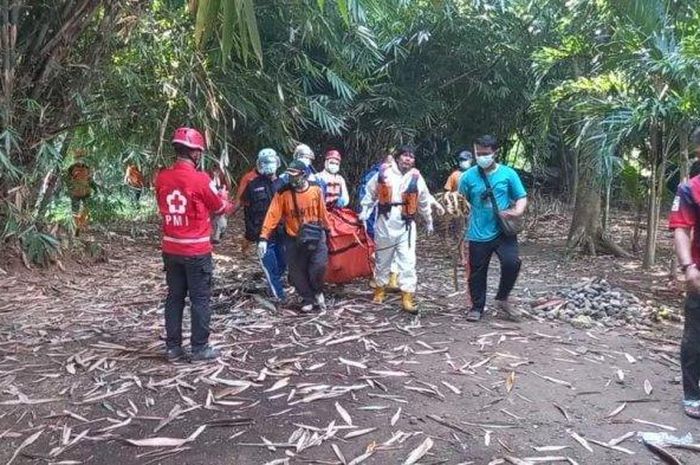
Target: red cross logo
column 177, row 203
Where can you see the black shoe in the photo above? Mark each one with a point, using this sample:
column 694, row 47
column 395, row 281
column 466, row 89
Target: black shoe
column 173, row 354
column 205, row 353
column 473, row 315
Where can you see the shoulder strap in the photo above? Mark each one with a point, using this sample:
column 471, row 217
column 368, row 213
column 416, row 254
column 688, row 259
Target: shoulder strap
column 489, row 190
column 296, row 206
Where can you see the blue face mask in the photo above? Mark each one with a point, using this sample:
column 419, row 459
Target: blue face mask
column 485, row 161
column 465, row 165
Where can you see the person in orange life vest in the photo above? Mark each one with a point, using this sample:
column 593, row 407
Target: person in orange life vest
column 300, row 204
column 80, row 187
column 186, row 199
column 135, row 181
column 222, row 182
column 464, row 159
column 337, row 195
column 400, row 193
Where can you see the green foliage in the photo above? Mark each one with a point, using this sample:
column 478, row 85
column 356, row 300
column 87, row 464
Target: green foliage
column 563, row 84
column 41, row 248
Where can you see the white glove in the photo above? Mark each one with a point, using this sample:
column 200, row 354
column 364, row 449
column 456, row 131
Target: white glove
column 262, row 248
column 364, row 215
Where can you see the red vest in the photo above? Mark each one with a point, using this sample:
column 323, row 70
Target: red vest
column 186, row 200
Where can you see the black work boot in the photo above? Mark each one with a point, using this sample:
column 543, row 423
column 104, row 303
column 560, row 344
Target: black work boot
column 205, row 353
column 173, row 354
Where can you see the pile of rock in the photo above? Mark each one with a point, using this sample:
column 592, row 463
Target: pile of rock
column 594, row 301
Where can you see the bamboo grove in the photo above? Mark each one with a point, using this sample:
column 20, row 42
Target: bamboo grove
column 594, row 99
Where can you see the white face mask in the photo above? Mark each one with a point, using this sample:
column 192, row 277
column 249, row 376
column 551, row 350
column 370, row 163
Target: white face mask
column 485, row 161
column 305, row 161
column 465, row 165
column 332, row 167
column 268, row 168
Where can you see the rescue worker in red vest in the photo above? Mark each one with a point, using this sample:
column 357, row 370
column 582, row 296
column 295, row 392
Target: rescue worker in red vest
column 256, row 198
column 301, row 206
column 186, row 199
column 400, row 193
column 337, row 195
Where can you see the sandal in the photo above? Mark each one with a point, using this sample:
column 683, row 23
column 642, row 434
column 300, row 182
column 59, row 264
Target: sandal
column 692, row 408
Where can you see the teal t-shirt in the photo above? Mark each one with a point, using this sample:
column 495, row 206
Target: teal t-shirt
column 507, row 188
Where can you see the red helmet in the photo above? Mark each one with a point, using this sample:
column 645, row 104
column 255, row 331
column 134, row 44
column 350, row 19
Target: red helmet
column 333, row 155
column 189, row 138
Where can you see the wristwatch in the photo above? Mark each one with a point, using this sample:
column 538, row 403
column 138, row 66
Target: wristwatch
column 685, row 267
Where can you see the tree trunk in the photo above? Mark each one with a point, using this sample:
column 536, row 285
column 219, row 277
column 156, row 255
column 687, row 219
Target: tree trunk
column 659, row 157
column 574, row 177
column 684, row 164
column 606, row 205
column 586, row 232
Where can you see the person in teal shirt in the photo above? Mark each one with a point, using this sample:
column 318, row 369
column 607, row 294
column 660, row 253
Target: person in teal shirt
column 484, row 231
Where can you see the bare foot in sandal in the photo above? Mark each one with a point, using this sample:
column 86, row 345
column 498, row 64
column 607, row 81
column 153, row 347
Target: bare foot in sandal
column 692, row 408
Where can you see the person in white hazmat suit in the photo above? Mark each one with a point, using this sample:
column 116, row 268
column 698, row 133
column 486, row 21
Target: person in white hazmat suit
column 400, row 193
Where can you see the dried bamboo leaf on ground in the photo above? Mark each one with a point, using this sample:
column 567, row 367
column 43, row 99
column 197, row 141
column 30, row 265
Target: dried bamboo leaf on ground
column 395, row 417
column 419, row 452
column 26, row 443
column 580, row 440
column 343, row 414
column 360, row 432
column 164, row 441
column 617, row 410
column 662, row 453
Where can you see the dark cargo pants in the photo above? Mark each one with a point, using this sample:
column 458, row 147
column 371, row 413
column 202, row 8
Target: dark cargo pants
column 188, row 275
column 690, row 348
column 480, row 253
column 307, row 268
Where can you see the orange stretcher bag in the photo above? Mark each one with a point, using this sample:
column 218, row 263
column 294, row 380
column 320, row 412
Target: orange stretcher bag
column 350, row 249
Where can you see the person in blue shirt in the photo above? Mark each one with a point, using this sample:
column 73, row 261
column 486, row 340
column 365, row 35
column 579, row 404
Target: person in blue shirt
column 484, row 232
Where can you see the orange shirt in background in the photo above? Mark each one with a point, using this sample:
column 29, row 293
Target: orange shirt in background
column 243, row 185
column 452, row 182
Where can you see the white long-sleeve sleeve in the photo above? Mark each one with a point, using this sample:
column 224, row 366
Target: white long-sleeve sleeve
column 344, row 199
column 425, row 200
column 370, row 199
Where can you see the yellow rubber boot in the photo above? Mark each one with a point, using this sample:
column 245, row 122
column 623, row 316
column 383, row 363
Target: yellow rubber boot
column 379, row 295
column 393, row 285
column 407, row 302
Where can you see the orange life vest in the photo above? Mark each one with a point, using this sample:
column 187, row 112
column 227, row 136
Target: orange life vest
column 409, row 198
column 134, row 177
column 80, row 180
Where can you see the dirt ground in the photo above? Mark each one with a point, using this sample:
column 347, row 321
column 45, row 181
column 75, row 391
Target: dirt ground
column 81, row 377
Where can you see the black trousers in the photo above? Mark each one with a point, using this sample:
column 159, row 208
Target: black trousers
column 306, row 268
column 188, row 275
column 690, row 348
column 480, row 253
